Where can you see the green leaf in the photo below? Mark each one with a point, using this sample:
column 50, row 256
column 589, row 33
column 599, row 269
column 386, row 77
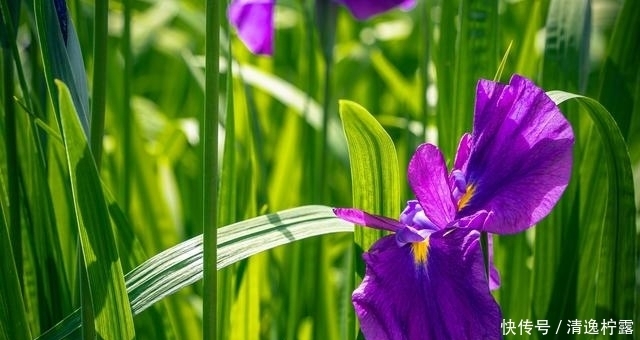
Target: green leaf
column 375, row 175
column 620, row 74
column 396, row 83
column 181, row 265
column 109, row 300
column 566, row 54
column 477, row 58
column 614, row 259
column 13, row 315
column 281, row 90
column 62, row 61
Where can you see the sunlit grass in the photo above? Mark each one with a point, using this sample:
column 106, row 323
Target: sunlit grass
column 277, row 149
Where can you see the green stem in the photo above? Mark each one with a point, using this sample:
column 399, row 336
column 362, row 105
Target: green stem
column 9, row 27
column 210, row 167
column 127, row 118
column 13, row 171
column 425, row 32
column 99, row 78
column 326, row 11
column 326, row 322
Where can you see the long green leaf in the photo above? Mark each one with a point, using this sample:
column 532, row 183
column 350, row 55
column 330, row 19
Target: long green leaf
column 566, row 54
column 281, row 90
column 556, row 289
column 620, row 74
column 477, row 58
column 62, row 60
column 613, row 257
column 13, row 315
column 181, row 265
column 375, row 174
column 109, row 300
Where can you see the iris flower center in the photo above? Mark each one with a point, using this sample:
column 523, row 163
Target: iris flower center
column 466, row 197
column 420, row 251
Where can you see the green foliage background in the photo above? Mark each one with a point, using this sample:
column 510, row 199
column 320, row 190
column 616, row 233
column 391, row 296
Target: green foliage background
column 84, row 203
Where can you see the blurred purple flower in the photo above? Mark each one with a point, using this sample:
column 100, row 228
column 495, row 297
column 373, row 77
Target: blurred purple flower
column 253, row 19
column 365, row 9
column 427, row 280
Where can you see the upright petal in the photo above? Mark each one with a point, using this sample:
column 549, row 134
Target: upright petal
column 520, row 159
column 373, row 221
column 462, row 155
column 428, row 178
column 364, row 9
column 413, row 215
column 445, row 298
column 253, row 19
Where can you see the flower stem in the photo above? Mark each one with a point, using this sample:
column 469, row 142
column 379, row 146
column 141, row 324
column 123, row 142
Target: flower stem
column 99, row 78
column 210, row 165
column 127, row 119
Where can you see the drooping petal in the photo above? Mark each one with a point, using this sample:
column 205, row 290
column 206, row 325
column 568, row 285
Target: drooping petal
column 364, row 9
column 373, row 221
column 253, row 19
column 445, row 298
column 477, row 221
column 520, row 160
column 410, row 235
column 428, row 178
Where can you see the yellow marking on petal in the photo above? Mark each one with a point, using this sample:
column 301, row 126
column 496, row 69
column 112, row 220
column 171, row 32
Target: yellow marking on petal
column 420, row 251
column 464, row 200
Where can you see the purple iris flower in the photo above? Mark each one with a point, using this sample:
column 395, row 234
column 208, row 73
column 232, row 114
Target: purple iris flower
column 427, row 280
column 253, row 19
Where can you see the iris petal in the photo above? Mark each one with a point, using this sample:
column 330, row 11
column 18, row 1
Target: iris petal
column 413, row 215
column 253, row 19
column 446, row 298
column 364, row 9
column 428, row 178
column 373, row 221
column 520, row 160
column 462, row 156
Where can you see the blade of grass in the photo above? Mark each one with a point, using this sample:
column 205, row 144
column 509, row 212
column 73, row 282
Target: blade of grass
column 109, row 301
column 374, row 167
column 527, row 58
column 619, row 76
column 227, row 210
column 13, row 313
column 11, row 149
column 284, row 92
column 209, row 132
column 98, row 105
column 182, row 265
column 9, row 22
column 375, row 174
column 566, row 55
column 126, row 113
column 131, row 253
column 561, row 276
column 444, row 57
column 615, row 293
column 62, row 60
column 477, row 57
